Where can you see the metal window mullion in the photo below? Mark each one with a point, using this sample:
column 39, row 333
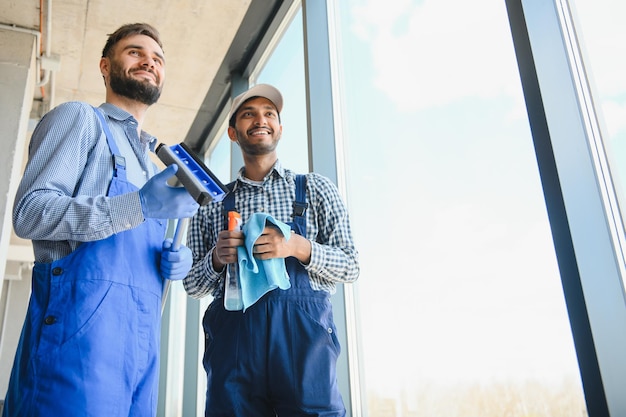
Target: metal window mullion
column 322, row 142
column 576, row 195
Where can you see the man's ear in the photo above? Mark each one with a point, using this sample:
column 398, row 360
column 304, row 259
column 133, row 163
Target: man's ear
column 104, row 66
column 232, row 133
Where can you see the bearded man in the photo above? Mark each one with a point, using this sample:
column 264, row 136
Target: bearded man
column 96, row 211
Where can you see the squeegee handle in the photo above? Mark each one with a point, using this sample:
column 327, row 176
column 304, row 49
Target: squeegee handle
column 178, row 234
column 177, row 241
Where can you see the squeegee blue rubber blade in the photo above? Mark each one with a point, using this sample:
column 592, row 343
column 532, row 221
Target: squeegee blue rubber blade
column 213, row 186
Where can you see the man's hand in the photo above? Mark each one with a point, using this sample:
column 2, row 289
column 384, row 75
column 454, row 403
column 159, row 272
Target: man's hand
column 225, row 251
column 175, row 264
column 159, row 200
column 273, row 244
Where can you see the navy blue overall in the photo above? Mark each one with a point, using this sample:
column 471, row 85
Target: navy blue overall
column 279, row 357
column 90, row 342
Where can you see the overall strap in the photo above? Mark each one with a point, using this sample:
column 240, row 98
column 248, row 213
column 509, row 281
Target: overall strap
column 300, row 205
column 119, row 168
column 228, row 204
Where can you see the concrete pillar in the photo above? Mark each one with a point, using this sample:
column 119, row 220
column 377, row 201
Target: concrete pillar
column 17, row 83
column 17, row 86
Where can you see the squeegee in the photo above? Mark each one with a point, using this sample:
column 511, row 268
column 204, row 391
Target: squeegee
column 199, row 182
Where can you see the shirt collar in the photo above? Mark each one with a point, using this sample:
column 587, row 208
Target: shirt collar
column 277, row 169
column 123, row 117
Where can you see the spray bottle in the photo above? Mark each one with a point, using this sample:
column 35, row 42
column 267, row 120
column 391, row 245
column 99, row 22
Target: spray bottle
column 232, row 286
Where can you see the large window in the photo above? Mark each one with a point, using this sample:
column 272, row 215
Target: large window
column 460, row 301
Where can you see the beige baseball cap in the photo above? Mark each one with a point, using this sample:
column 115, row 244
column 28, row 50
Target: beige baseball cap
column 260, row 90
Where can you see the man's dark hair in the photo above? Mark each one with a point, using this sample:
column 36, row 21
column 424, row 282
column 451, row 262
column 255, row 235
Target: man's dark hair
column 233, row 118
column 130, row 30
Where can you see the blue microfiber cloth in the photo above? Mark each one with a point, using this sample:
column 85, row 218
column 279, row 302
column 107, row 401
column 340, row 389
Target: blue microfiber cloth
column 260, row 276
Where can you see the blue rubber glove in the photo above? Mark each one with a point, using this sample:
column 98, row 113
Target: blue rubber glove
column 175, row 264
column 159, row 200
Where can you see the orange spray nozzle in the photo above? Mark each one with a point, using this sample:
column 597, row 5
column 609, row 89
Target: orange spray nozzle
column 234, row 220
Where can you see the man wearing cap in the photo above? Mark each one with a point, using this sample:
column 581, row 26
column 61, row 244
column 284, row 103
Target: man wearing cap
column 277, row 356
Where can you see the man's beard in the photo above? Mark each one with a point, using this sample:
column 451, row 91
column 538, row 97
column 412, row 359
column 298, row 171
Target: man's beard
column 141, row 91
column 255, row 148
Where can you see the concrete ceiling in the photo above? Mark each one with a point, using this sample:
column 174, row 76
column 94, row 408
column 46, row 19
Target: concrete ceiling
column 205, row 41
column 196, row 36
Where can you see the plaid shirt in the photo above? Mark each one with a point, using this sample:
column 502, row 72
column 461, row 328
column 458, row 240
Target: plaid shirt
column 333, row 255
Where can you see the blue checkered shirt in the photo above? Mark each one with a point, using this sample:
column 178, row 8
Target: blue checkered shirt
column 61, row 200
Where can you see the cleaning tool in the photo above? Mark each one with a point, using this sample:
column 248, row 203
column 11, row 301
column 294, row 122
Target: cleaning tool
column 197, row 179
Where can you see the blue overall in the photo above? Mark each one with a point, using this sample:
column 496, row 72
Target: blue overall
column 279, row 357
column 90, row 341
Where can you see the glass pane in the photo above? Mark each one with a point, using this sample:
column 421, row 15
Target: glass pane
column 285, row 70
column 218, row 160
column 602, row 32
column 460, row 301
